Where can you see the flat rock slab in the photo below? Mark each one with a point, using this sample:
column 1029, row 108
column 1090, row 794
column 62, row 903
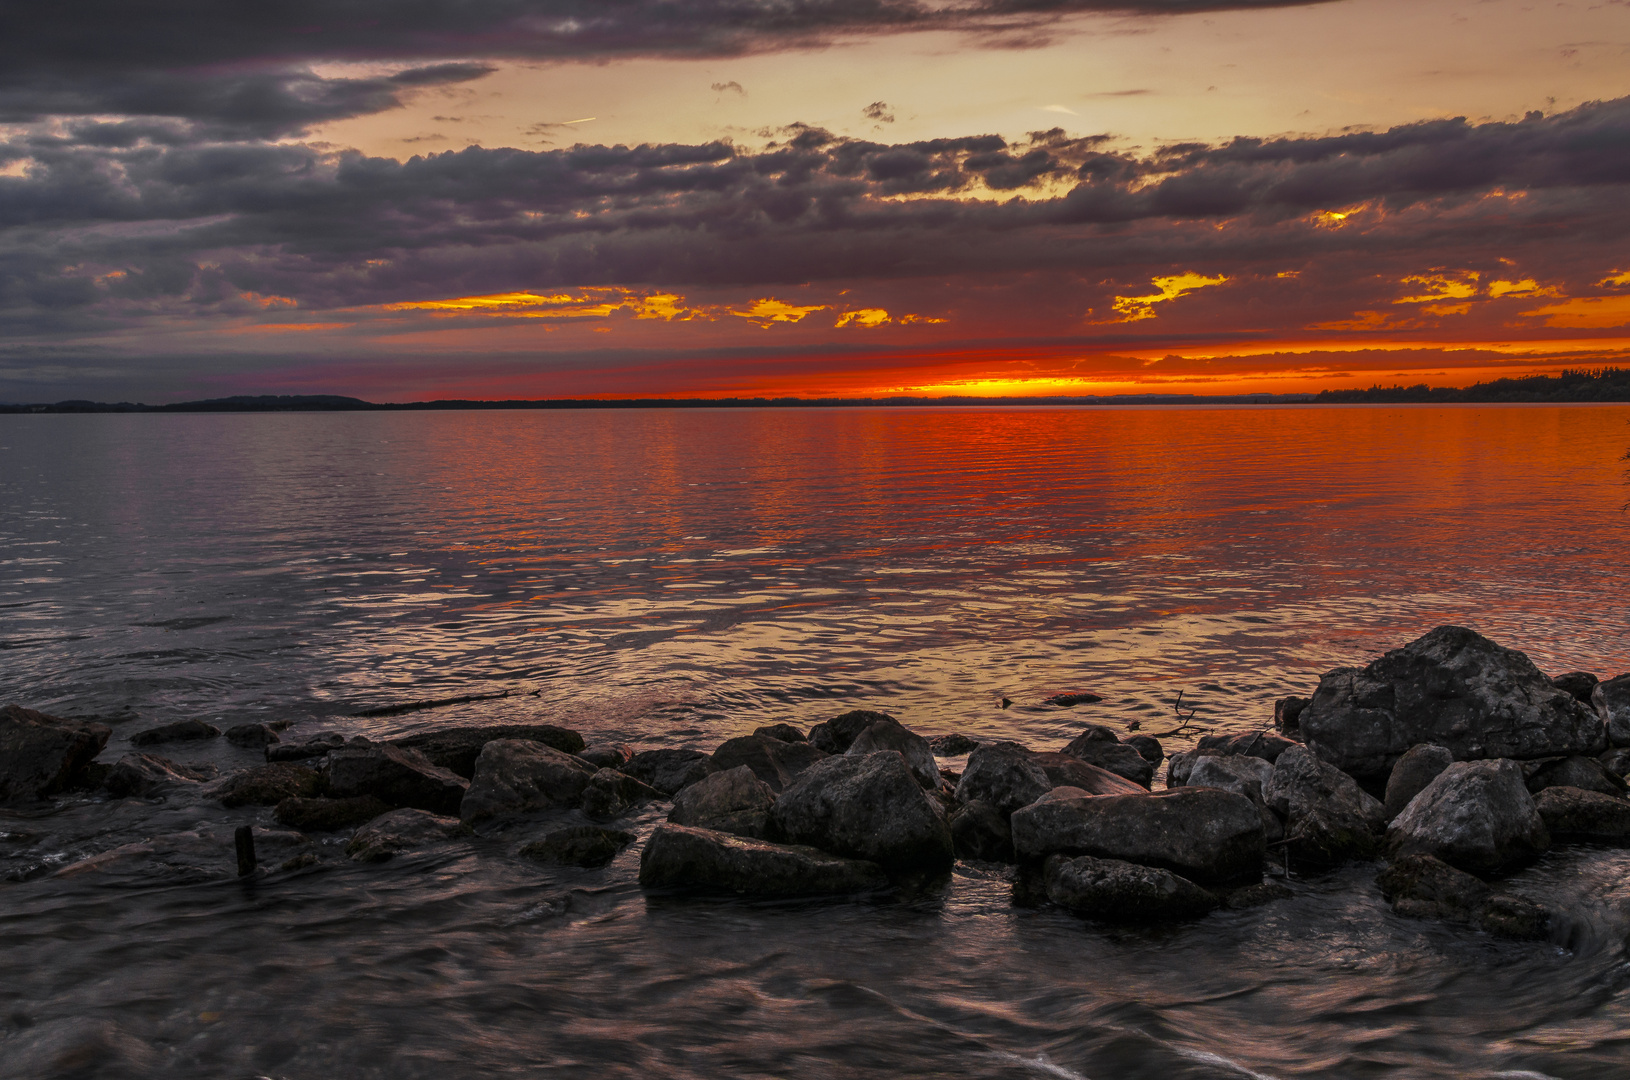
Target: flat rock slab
column 457, row 748
column 397, row 776
column 868, row 807
column 586, row 846
column 1117, row 891
column 1203, row 834
column 680, row 857
column 401, row 831
column 41, row 755
column 1476, row 815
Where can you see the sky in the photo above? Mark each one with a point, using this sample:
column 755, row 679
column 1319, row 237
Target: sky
column 422, row 199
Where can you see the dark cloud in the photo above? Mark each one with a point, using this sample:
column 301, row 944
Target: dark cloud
column 879, row 111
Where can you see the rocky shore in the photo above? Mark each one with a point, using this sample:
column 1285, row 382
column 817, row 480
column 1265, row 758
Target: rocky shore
column 1450, row 761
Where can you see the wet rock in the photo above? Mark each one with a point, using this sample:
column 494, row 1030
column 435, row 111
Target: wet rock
column 299, row 862
column 775, row 762
column 514, row 776
column 180, row 731
column 1476, row 815
column 608, row 756
column 1178, row 768
column 1065, row 771
column 1409, row 777
column 953, row 745
column 1258, row 744
column 1616, row 760
column 148, row 774
column 1451, row 687
column 1114, row 890
column 1581, row 684
column 316, row 746
column 1149, row 747
column 254, row 736
column 680, row 857
column 1572, row 813
column 869, row 808
column 1287, row 716
column 398, row 776
column 784, row 732
column 725, row 802
column 1117, row 757
column 587, row 846
column 1514, row 917
column 888, row 735
column 980, row 831
column 835, row 736
column 401, row 831
column 1203, row 834
column 458, row 748
column 1003, row 775
column 268, row 785
column 1328, row 817
column 328, row 815
column 1579, row 772
column 77, row 1048
column 1425, row 887
column 669, row 771
column 1079, row 697
column 1250, row 896
column 611, row 793
column 1611, row 701
column 41, row 755
column 1097, row 733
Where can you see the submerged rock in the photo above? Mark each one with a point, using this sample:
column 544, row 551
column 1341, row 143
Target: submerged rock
column 980, row 831
column 401, row 831
column 1424, row 887
column 513, row 776
column 868, row 807
column 254, row 736
column 1002, row 775
column 180, row 731
column 268, row 785
column 1452, row 687
column 1573, row 813
column 1328, row 817
column 41, row 755
column 1116, row 757
column 328, row 815
column 836, row 735
column 669, row 771
column 457, row 748
column 587, row 846
column 316, row 746
column 1476, row 815
column 395, row 775
column 678, row 856
column 889, row 735
column 149, row 774
column 1114, row 890
column 775, row 762
column 1611, row 701
column 1409, row 777
column 734, row 801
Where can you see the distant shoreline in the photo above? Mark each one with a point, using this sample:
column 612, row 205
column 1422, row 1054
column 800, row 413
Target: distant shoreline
column 1570, row 387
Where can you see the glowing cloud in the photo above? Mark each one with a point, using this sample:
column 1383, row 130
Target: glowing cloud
column 769, row 310
column 1133, row 308
column 1585, row 312
column 867, row 317
column 1442, row 287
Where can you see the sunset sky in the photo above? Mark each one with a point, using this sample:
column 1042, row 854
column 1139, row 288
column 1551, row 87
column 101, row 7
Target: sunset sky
column 503, row 198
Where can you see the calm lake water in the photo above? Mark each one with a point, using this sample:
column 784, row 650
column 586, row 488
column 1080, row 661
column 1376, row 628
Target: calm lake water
column 675, row 578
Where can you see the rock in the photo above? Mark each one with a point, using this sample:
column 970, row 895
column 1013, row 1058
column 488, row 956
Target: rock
column 610, row 793
column 1097, row 733
column 1149, row 747
column 399, row 831
column 1579, row 772
column 721, row 796
column 888, row 735
column 328, row 815
column 268, row 785
column 866, row 807
column 398, row 776
column 577, row 845
column 1177, row 769
column 1118, row 758
column 1476, row 815
column 681, row 857
column 609, row 756
column 784, row 732
column 1078, row 697
column 1287, row 715
column 1002, row 775
column 1616, row 760
column 1409, row 777
column 834, row 736
column 980, row 831
column 1117, row 891
column 1611, row 701
column 1581, row 684
column 953, row 745
column 1424, row 887
column 180, row 731
column 669, row 771
column 1250, row 896
column 255, row 736
column 1572, row 813
column 41, row 755
column 149, row 774
column 1454, row 688
column 1203, row 834
column 775, row 762
column 457, row 748
column 316, row 746
column 1328, row 817
column 514, row 776
column 1065, row 771
column 1514, row 917
column 1260, row 744
column 1242, row 774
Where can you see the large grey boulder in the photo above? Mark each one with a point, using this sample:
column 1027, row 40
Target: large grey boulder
column 836, row 735
column 1242, row 774
column 669, row 770
column 148, row 774
column 1425, row 887
column 1452, row 687
column 396, row 776
column 775, row 762
column 1477, row 816
column 1409, row 777
column 1002, row 775
column 1117, row 891
column 734, row 801
column 1116, row 757
column 401, row 831
column 514, row 776
column 1065, row 771
column 1328, row 817
column 1576, row 814
column 1259, row 744
column 890, row 735
column 868, row 808
column 41, row 755
column 680, row 857
column 457, row 748
column 1204, row 834
column 1611, row 700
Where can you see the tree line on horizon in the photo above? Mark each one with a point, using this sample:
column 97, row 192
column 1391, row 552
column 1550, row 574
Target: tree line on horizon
column 1570, row 385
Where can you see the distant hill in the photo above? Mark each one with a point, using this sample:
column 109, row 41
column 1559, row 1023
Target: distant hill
column 1599, row 384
